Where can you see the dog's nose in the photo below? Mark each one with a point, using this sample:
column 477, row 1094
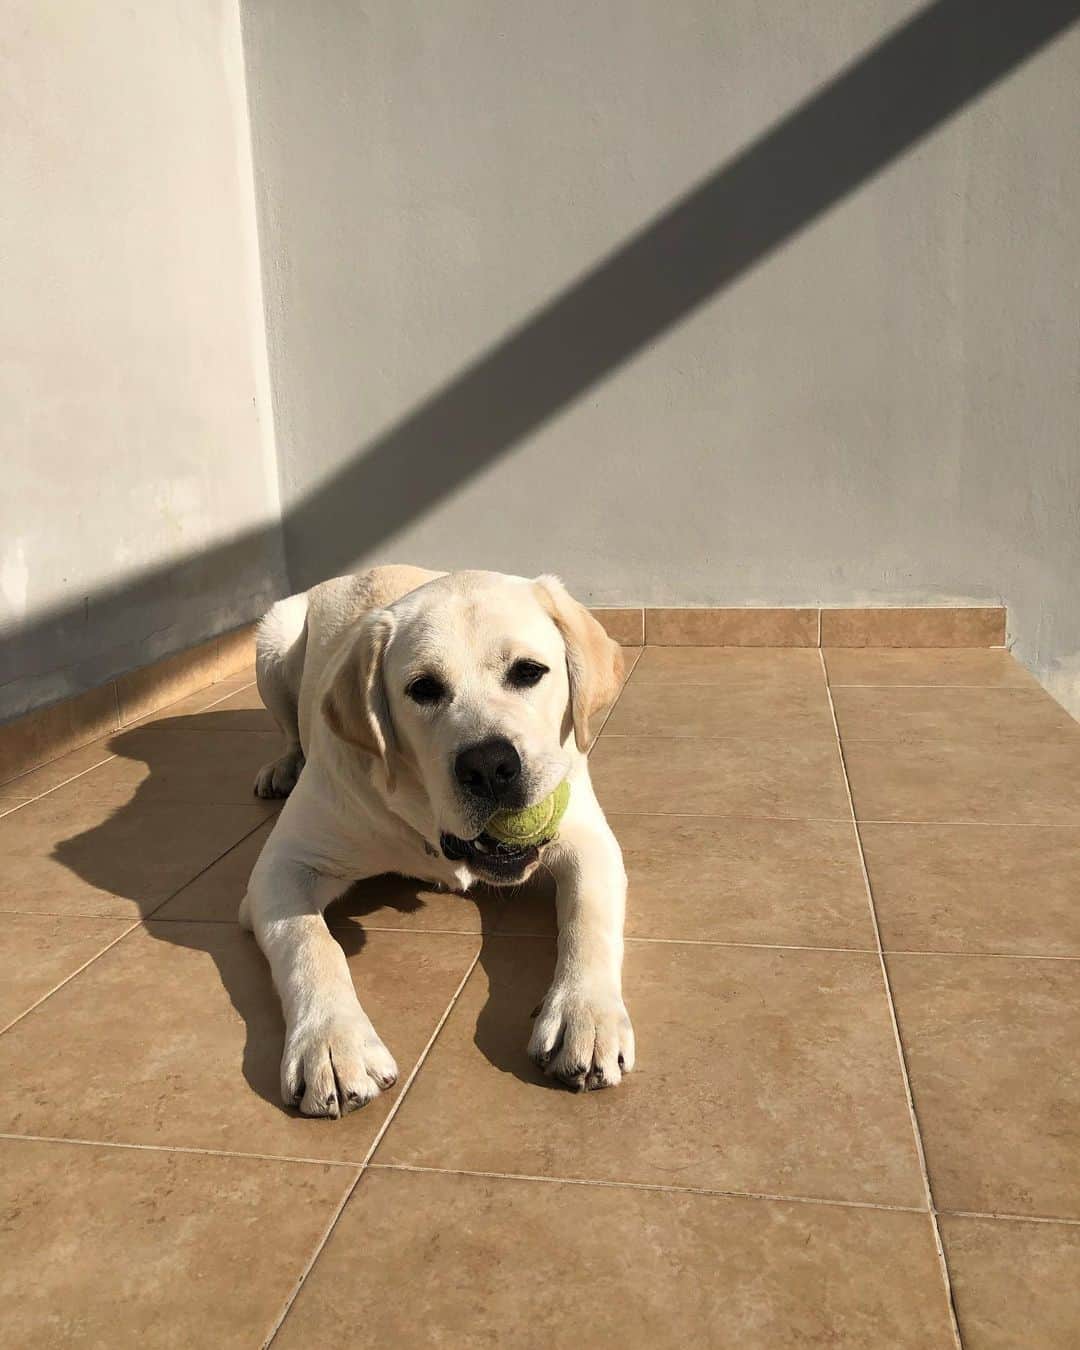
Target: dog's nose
column 490, row 769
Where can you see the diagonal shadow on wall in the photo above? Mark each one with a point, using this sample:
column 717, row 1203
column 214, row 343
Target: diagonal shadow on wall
column 854, row 127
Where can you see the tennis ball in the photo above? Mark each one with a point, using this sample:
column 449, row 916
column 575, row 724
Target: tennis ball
column 533, row 825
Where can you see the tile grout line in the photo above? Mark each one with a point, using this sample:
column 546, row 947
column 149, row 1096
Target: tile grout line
column 944, row 688
column 339, row 1209
column 991, row 956
column 56, row 787
column 843, row 820
column 149, row 717
column 423, row 1055
column 768, row 1196
column 1008, row 1217
column 705, row 815
column 366, row 1160
column 740, row 946
column 178, row 1148
column 140, row 922
column 67, row 979
column 116, row 731
column 614, row 705
column 535, row 934
column 658, row 1186
column 975, row 824
column 191, row 880
column 1053, row 737
column 345, row 1165
column 780, row 738
column 901, row 1057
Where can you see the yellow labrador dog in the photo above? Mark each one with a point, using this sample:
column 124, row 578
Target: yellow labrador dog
column 415, row 704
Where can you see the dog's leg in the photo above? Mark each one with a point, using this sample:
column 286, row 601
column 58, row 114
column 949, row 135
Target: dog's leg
column 334, row 1061
column 582, row 1034
column 280, row 646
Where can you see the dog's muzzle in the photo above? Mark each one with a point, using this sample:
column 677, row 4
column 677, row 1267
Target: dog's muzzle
column 489, row 856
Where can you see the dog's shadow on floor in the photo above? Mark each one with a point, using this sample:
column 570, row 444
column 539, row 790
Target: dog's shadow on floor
column 512, row 974
column 516, row 970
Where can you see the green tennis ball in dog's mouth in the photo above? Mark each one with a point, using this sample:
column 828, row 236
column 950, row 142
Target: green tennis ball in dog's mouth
column 535, row 824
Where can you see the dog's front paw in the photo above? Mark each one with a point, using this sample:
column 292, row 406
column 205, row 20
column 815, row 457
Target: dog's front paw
column 583, row 1037
column 278, row 778
column 334, row 1062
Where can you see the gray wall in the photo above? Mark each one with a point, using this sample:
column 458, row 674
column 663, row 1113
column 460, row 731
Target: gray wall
column 139, row 510
column 883, row 408
column 544, row 288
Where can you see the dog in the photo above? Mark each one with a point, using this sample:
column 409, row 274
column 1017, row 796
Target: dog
column 414, row 704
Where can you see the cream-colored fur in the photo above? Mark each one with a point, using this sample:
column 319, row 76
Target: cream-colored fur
column 369, row 776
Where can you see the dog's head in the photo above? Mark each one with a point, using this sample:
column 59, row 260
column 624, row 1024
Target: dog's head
column 473, row 690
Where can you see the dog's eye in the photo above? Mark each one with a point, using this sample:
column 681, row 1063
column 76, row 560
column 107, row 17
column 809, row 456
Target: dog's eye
column 524, row 674
column 426, row 689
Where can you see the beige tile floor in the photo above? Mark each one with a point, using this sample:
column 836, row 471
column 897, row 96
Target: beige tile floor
column 853, row 961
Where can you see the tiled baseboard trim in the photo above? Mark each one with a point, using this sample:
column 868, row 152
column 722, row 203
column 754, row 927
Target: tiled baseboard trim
column 41, row 736
column 865, row 626
column 44, row 735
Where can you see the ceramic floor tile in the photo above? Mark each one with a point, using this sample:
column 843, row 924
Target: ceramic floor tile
column 769, row 881
column 241, row 710
column 798, row 780
column 1015, row 1284
column 760, row 667
column 757, row 1071
column 237, row 695
column 547, row 1265
column 130, row 1247
column 995, row 784
column 976, row 888
column 631, row 656
column 73, row 853
column 37, row 951
column 991, row 1048
column 194, row 1059
column 214, row 895
column 163, row 761
column 600, row 717
column 381, row 902
column 9, row 802
column 926, row 666
column 975, row 716
column 200, row 701
column 56, row 773
column 699, row 712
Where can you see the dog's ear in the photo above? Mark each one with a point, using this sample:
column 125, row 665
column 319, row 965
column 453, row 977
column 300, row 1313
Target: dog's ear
column 355, row 705
column 593, row 661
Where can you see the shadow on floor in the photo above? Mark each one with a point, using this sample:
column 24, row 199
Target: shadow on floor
column 178, row 774
column 516, row 969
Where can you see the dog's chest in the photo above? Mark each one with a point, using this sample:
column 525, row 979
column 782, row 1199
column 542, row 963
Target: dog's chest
column 405, row 852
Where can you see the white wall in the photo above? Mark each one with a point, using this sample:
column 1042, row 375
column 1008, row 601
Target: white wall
column 884, row 409
column 136, row 429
